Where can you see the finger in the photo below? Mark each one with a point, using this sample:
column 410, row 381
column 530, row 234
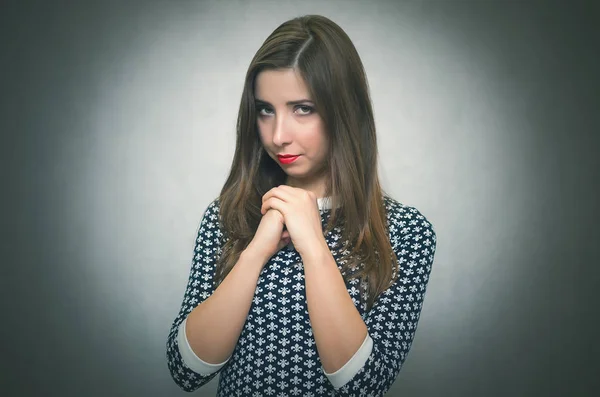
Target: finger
column 271, row 192
column 266, row 196
column 279, row 192
column 293, row 194
column 282, row 244
column 274, row 203
column 296, row 191
column 289, row 188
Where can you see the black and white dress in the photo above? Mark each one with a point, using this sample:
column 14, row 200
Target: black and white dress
column 276, row 353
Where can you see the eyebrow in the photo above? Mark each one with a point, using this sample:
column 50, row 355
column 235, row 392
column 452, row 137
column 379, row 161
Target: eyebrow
column 289, row 103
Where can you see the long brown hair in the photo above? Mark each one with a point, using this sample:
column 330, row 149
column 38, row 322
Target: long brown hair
column 322, row 53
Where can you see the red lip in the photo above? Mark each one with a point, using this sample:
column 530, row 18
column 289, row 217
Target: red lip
column 287, row 159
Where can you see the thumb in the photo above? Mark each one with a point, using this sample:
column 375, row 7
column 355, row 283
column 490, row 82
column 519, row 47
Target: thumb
column 283, row 242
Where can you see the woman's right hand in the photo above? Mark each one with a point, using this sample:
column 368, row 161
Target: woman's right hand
column 270, row 236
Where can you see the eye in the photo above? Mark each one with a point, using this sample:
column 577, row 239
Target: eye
column 263, row 111
column 305, row 110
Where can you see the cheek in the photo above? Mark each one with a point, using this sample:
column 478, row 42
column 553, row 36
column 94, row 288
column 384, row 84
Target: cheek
column 261, row 134
column 319, row 140
column 312, row 133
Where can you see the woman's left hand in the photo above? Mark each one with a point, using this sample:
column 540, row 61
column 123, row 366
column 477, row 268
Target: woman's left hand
column 301, row 216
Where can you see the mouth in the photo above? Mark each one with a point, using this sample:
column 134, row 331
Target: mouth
column 287, row 159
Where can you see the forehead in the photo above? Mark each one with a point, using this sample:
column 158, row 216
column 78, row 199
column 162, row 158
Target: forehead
column 280, row 85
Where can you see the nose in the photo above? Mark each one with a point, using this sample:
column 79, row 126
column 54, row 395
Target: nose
column 281, row 131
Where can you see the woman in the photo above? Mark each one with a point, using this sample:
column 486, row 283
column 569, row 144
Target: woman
column 307, row 278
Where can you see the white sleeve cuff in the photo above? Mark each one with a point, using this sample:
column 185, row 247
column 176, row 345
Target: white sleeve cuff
column 343, row 375
column 190, row 358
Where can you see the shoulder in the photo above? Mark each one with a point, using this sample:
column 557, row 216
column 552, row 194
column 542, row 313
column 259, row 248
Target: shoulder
column 405, row 221
column 412, row 237
column 211, row 210
column 213, row 206
column 210, row 222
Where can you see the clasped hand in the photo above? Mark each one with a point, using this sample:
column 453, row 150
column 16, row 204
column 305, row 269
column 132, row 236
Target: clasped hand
column 300, row 213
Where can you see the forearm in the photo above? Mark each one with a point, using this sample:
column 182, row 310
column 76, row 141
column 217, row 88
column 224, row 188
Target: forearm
column 338, row 328
column 213, row 327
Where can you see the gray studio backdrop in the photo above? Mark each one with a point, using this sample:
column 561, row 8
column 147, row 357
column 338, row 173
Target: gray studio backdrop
column 118, row 130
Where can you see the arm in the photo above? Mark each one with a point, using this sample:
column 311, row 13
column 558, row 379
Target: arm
column 373, row 361
column 209, row 323
column 213, row 327
column 338, row 327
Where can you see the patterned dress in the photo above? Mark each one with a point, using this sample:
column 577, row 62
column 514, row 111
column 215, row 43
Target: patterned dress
column 276, row 353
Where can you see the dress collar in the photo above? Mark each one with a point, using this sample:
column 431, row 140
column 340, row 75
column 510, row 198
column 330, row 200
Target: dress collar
column 324, row 203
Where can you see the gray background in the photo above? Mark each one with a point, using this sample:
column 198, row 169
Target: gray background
column 117, row 123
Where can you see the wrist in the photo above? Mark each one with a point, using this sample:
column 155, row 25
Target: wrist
column 316, row 251
column 253, row 255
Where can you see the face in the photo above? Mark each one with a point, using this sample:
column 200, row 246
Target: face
column 289, row 124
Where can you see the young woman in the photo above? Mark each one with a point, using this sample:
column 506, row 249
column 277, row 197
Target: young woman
column 307, row 278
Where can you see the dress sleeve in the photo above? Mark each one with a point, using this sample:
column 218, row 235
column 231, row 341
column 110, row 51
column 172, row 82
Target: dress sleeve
column 392, row 321
column 185, row 367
